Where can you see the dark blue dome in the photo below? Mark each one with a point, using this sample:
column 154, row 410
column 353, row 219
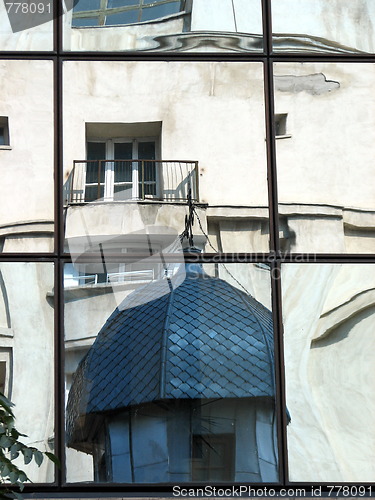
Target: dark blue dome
column 195, row 338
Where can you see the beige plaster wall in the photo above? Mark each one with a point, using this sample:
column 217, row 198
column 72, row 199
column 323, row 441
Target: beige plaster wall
column 328, row 343
column 328, row 158
column 38, row 38
column 27, row 167
column 31, row 338
column 347, row 22
column 210, row 112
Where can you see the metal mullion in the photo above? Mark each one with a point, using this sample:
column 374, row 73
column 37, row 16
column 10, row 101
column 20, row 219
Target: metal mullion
column 59, row 249
column 269, row 98
column 271, row 157
column 196, row 57
column 59, row 372
column 58, row 174
column 267, row 27
column 316, row 57
column 204, row 258
column 56, row 26
column 328, row 258
column 209, row 258
column 130, row 56
column 33, row 56
column 27, row 257
column 280, row 389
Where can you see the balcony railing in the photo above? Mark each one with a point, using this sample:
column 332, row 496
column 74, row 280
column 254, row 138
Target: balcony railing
column 118, row 277
column 122, row 180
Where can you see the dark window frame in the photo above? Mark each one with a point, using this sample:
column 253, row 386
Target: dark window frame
column 4, row 132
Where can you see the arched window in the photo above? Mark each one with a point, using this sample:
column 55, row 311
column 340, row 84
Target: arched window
column 122, row 12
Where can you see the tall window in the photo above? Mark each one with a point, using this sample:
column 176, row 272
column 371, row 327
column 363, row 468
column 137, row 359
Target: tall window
column 121, row 169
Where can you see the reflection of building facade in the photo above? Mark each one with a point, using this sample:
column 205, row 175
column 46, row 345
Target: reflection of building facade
column 138, row 135
column 179, row 386
column 202, row 26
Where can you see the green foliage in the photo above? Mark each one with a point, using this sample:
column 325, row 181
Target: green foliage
column 11, row 448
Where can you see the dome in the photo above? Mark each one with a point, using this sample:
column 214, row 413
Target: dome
column 193, row 338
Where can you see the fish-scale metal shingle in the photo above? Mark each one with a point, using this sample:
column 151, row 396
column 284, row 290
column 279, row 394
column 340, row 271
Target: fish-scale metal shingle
column 204, row 339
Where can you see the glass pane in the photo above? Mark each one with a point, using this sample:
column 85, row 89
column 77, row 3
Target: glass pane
column 93, row 193
column 146, row 150
column 212, row 416
column 85, row 21
column 325, row 156
column 328, row 314
column 149, row 171
column 211, row 26
column 27, row 156
column 199, row 151
column 123, row 191
column 122, row 3
column 123, row 169
column 127, row 17
column 96, row 150
column 337, row 26
column 83, row 5
column 26, row 26
column 123, row 150
column 160, row 11
column 95, row 170
column 27, row 358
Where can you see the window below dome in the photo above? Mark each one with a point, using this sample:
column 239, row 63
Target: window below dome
column 213, row 457
column 177, row 440
column 122, row 12
column 115, row 273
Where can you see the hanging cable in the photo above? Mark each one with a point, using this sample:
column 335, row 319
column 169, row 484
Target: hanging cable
column 188, row 234
column 189, row 221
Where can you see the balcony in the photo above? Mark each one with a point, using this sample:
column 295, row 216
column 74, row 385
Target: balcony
column 123, row 277
column 125, row 180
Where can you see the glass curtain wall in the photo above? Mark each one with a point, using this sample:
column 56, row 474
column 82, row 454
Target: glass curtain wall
column 187, row 228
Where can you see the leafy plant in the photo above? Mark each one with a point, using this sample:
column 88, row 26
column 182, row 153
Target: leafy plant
column 11, row 448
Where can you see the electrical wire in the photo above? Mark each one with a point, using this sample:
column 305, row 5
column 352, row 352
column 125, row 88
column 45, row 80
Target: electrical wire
column 188, row 234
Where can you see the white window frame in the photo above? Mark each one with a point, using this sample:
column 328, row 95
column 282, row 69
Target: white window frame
column 109, row 176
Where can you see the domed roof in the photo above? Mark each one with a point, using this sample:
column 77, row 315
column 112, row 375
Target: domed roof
column 199, row 337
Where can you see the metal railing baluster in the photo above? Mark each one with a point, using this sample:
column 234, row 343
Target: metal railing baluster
column 175, row 176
